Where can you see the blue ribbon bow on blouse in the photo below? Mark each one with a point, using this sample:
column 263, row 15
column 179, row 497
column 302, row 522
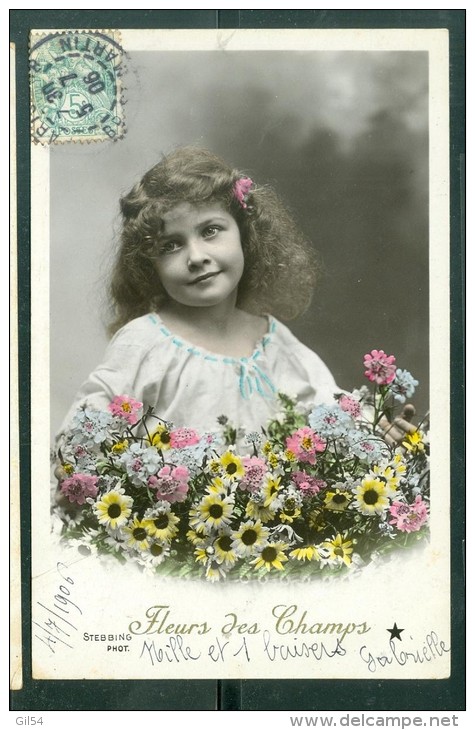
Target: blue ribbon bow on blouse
column 253, row 380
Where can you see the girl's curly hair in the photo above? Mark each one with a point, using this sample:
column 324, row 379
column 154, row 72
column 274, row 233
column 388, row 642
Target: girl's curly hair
column 279, row 270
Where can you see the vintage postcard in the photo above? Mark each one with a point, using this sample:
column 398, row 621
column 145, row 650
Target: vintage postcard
column 208, row 507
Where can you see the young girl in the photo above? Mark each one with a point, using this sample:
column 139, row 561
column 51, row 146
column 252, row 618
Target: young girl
column 208, row 261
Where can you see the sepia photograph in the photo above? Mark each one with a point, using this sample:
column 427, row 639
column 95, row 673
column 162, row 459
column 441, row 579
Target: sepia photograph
column 240, row 310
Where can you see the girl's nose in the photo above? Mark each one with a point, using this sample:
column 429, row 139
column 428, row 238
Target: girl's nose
column 197, row 253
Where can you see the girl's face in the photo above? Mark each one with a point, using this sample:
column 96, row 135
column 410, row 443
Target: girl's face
column 200, row 259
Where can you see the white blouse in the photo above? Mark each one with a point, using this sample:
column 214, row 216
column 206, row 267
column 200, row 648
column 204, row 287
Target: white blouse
column 191, row 387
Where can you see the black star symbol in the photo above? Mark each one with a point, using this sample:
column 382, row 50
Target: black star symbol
column 395, row 632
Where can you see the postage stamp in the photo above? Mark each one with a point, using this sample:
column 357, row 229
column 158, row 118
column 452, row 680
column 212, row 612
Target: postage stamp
column 75, row 83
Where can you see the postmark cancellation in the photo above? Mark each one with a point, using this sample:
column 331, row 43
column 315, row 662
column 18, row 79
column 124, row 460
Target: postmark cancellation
column 75, row 86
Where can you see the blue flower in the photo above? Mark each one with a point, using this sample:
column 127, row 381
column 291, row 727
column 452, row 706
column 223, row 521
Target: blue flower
column 403, row 386
column 192, row 456
column 330, row 421
column 140, row 463
column 90, row 427
column 366, row 447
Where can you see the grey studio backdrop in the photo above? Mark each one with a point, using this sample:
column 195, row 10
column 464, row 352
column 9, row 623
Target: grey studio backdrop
column 343, row 137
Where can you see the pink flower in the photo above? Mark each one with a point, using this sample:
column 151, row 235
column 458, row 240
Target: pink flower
column 78, row 487
column 254, row 470
column 380, row 367
column 409, row 517
column 171, row 483
column 182, row 437
column 308, row 484
column 242, row 189
column 80, row 452
column 350, row 405
column 126, row 408
column 305, row 443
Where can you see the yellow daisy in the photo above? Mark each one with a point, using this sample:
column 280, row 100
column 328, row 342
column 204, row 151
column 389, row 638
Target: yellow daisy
column 232, row 465
column 371, row 497
column 113, row 509
column 413, row 442
column 160, row 438
column 257, row 511
column 270, row 490
column 214, row 466
column 196, row 537
column 215, row 571
column 386, row 475
column 339, row 551
column 250, row 536
column 158, row 552
column 309, row 552
column 213, row 512
column 224, row 551
column 137, row 534
column 337, row 500
column 273, row 460
column 120, row 447
column 316, row 519
column 217, row 486
column 162, row 526
column 203, row 554
column 271, row 556
column 290, row 510
column 398, row 463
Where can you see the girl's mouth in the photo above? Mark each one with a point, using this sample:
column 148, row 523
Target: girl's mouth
column 203, row 277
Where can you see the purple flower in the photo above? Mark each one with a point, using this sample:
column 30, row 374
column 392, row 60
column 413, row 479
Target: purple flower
column 380, row 367
column 254, row 471
column 171, row 483
column 409, row 517
column 78, row 487
column 307, row 484
column 350, row 405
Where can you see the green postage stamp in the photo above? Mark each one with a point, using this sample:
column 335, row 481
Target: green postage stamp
column 75, row 81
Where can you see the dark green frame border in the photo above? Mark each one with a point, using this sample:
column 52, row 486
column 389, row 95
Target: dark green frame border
column 289, row 695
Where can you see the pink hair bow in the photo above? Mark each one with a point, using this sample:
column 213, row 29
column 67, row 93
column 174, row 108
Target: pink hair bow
column 241, row 190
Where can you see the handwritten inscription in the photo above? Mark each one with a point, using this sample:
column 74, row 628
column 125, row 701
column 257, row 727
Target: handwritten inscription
column 58, row 627
column 299, row 649
column 431, row 648
column 176, row 650
column 173, row 651
column 290, row 635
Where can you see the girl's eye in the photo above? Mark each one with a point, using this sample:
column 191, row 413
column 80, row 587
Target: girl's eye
column 211, row 231
column 169, row 246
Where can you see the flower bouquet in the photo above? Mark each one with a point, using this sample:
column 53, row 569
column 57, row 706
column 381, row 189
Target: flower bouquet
column 316, row 492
